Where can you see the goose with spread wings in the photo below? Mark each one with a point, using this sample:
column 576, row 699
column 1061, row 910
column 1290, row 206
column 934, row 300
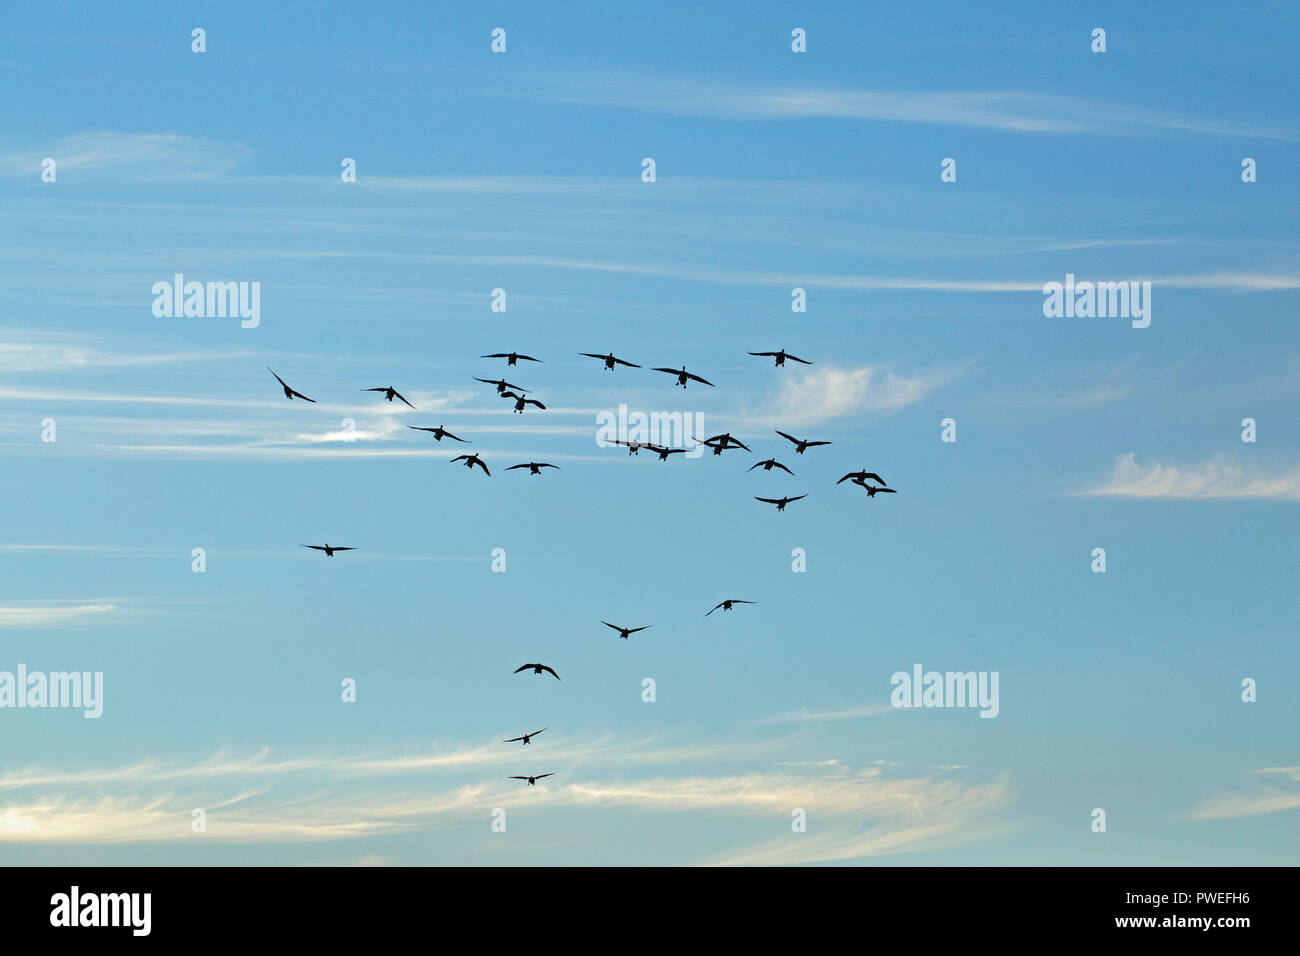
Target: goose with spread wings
column 858, row 477
column 538, row 669
column 500, row 383
column 471, row 461
column 726, row 605
column 511, row 358
column 525, row 738
column 327, row 548
column 623, row 632
column 769, row 464
column 780, row 357
column 289, row 393
column 438, row 433
column 779, row 502
column 390, row 393
column 533, row 780
column 534, row 467
column 800, row 445
column 520, row 401
column 683, row 376
column 724, row 441
column 609, row 360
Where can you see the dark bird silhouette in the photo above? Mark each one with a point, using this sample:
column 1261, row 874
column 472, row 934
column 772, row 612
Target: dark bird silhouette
column 872, row 490
column 511, row 357
column 534, row 467
column 288, row 392
column 533, row 780
column 609, row 360
column 769, row 465
column 663, row 452
column 500, row 383
column 525, row 738
column 684, row 375
column 537, row 669
column 799, row 445
column 623, row 632
column 520, row 401
column 471, row 461
column 858, row 477
column 726, row 605
column 780, row 357
column 390, row 393
column 328, row 549
column 779, row 502
column 633, row 446
column 439, row 433
column 724, row 441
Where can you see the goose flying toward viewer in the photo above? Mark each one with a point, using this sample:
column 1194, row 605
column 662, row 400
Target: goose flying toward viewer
column 534, row 467
column 439, row 433
column 726, row 605
column 328, row 549
column 520, row 401
column 288, row 392
column 533, row 780
column 389, row 393
column 858, row 477
column 525, row 738
column 684, row 375
column 800, row 445
column 779, row 502
column 769, row 465
column 609, row 360
column 471, row 461
column 511, row 357
column 537, row 669
column 623, row 632
column 500, row 383
column 780, row 357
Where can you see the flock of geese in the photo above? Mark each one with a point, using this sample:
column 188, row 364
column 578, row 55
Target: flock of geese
column 869, row 481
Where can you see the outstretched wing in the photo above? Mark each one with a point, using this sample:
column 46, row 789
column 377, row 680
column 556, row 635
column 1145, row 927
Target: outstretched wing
column 482, row 464
column 447, row 434
column 770, row 501
column 459, row 458
column 512, row 740
column 594, row 355
column 545, row 464
column 794, row 358
column 496, row 355
column 533, row 401
column 633, row 630
column 551, row 671
column 716, row 606
column 403, row 398
column 528, row 357
column 277, row 378
column 342, row 549
column 619, row 361
column 670, row 371
column 795, row 498
column 522, row 668
column 765, row 353
column 777, row 464
column 737, row 441
column 874, row 477
column 759, row 464
column 702, row 381
column 787, row 437
column 811, row 443
column 302, row 396
column 513, row 467
column 855, row 475
column 614, row 626
column 314, row 547
column 374, row 389
column 541, row 775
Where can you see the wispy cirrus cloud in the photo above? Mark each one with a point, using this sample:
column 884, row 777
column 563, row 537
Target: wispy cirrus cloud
column 1265, row 798
column 256, row 798
column 828, row 392
column 50, row 614
column 110, row 154
column 1009, row 111
column 1218, row 478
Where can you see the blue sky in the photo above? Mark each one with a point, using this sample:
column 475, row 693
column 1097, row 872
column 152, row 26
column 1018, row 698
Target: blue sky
column 774, row 170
